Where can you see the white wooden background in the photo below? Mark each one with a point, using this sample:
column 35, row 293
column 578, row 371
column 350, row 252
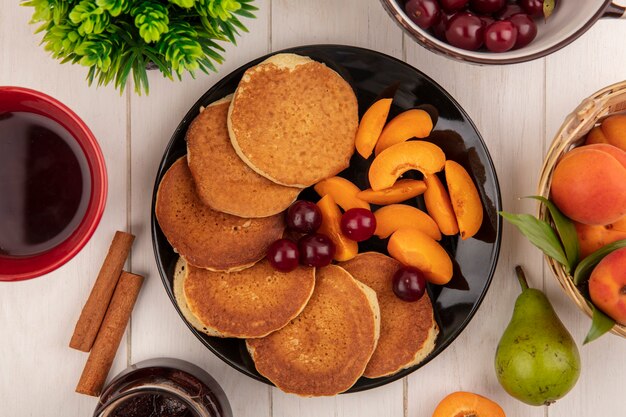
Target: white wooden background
column 517, row 109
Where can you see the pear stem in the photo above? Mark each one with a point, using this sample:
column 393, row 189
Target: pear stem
column 521, row 277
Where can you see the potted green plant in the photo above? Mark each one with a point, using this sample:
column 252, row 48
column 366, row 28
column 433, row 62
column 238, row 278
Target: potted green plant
column 115, row 38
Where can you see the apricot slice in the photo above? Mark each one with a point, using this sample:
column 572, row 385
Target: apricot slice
column 343, row 191
column 401, row 191
column 414, row 123
column 345, row 249
column 372, row 124
column 398, row 216
column 595, row 135
column 396, row 160
column 439, row 206
column 467, row 404
column 415, row 248
column 465, row 200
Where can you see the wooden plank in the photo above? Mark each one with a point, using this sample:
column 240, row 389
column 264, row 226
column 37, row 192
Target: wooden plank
column 157, row 330
column 574, row 74
column 351, row 22
column 37, row 317
column 506, row 104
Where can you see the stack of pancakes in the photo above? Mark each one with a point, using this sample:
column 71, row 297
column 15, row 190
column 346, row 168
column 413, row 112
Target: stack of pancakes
column 290, row 123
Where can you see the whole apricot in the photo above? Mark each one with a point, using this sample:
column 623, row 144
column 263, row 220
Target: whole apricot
column 589, row 185
column 607, row 285
column 592, row 238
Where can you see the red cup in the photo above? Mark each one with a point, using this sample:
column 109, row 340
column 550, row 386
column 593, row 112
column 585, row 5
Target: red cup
column 17, row 99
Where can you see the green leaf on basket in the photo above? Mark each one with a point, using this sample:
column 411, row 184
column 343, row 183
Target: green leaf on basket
column 548, row 8
column 540, row 234
column 600, row 324
column 566, row 230
column 584, row 268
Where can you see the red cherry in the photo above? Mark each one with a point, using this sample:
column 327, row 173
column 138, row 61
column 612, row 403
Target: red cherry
column 425, row 13
column 409, row 284
column 316, row 250
column 500, row 36
column 526, row 29
column 304, row 217
column 283, row 255
column 358, row 224
column 465, row 31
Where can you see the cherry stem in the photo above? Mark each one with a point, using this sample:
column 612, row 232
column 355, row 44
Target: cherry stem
column 521, row 277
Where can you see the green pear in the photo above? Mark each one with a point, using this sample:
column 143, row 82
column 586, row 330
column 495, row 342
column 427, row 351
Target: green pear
column 537, row 360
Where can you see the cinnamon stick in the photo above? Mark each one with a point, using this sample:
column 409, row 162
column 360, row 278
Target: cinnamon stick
column 110, row 335
column 96, row 306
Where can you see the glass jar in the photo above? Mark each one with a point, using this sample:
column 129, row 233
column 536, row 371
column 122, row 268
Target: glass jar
column 163, row 387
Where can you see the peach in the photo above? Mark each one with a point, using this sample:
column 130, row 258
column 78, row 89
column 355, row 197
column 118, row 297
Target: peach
column 589, row 185
column 414, row 123
column 397, row 216
column 415, row 248
column 343, row 191
column 614, row 129
column 345, row 249
column 607, row 285
column 439, row 206
column 596, row 135
column 396, row 160
column 401, row 191
column 372, row 124
column 467, row 404
column 465, row 200
column 592, row 238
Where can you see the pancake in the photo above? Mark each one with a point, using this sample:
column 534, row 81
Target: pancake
column 408, row 330
column 207, row 238
column 293, row 120
column 223, row 181
column 245, row 304
column 325, row 349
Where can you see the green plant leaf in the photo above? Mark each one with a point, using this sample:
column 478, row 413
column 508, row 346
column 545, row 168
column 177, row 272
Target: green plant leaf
column 600, row 324
column 540, row 234
column 584, row 268
column 566, row 230
column 548, row 8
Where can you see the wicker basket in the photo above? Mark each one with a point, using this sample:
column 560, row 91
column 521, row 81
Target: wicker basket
column 572, row 133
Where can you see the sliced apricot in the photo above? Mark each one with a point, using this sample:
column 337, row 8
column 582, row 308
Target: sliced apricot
column 439, row 206
column 372, row 124
column 467, row 404
column 397, row 216
column 343, row 191
column 414, row 123
column 401, row 191
column 596, row 135
column 465, row 200
column 415, row 248
column 398, row 159
column 345, row 249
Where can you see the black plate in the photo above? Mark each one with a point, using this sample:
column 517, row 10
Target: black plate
column 370, row 74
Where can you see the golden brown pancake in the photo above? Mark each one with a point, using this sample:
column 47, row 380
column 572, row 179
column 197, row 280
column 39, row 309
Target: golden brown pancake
column 407, row 329
column 245, row 304
column 207, row 238
column 325, row 349
column 293, row 120
column 222, row 180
